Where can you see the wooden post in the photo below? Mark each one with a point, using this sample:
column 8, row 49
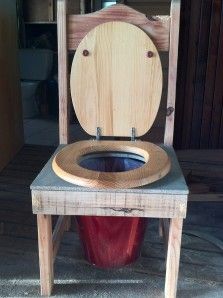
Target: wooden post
column 63, row 71
column 173, row 257
column 45, row 243
column 172, row 80
column 82, row 6
column 50, row 11
column 172, row 75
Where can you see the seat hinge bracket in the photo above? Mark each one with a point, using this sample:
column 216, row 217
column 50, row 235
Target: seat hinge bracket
column 98, row 134
column 133, row 134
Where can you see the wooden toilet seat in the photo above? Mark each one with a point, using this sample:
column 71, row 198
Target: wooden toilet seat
column 116, row 86
column 66, row 164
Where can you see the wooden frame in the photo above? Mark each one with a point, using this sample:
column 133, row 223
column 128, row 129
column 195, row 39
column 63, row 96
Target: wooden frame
column 47, row 203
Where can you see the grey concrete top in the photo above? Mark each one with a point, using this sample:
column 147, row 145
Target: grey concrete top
column 173, row 183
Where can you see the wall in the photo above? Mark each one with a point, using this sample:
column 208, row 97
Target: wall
column 11, row 129
column 199, row 110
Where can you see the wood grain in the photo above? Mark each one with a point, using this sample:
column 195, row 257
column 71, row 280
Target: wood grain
column 116, row 86
column 157, row 27
column 172, row 76
column 201, row 68
column 62, row 72
column 211, row 72
column 66, row 164
column 173, row 257
column 191, row 53
column 11, row 120
column 216, row 133
column 109, row 204
column 182, row 72
column 200, row 89
column 44, row 224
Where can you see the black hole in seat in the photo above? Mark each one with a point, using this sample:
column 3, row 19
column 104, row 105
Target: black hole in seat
column 111, row 161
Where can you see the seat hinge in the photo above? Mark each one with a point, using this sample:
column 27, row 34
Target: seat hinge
column 98, row 134
column 133, row 134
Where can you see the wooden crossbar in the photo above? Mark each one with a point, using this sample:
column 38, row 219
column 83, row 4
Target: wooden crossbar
column 157, row 27
column 61, row 226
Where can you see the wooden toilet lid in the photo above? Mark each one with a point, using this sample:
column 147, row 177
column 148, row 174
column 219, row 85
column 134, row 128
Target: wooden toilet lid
column 116, row 80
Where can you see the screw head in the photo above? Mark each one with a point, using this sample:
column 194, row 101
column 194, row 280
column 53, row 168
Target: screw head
column 85, row 53
column 150, row 54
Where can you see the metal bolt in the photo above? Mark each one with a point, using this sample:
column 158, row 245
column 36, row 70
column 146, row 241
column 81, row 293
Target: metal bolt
column 85, row 53
column 150, row 54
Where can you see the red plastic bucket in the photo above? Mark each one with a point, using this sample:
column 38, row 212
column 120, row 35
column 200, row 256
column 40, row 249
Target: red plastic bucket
column 111, row 241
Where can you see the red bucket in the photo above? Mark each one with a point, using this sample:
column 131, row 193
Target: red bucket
column 111, row 241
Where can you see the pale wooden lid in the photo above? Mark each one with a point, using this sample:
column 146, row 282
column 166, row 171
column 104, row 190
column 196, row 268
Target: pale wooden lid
column 114, row 84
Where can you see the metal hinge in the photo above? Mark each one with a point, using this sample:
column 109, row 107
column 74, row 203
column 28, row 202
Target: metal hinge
column 98, row 134
column 133, row 134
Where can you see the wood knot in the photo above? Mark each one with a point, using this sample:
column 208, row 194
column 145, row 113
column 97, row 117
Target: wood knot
column 169, row 111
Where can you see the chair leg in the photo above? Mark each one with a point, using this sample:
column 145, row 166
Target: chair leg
column 173, row 257
column 164, row 231
column 44, row 223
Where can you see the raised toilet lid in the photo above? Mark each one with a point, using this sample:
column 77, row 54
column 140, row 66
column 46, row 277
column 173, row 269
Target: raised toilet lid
column 116, row 80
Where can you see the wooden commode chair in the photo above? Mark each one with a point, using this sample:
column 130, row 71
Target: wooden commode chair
column 116, row 86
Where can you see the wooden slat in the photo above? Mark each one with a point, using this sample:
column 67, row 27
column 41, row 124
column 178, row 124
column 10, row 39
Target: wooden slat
column 153, row 7
column 105, row 203
column 191, row 71
column 200, row 89
column 182, row 71
column 172, row 76
column 63, row 72
column 201, row 65
column 211, row 75
column 216, row 135
column 156, row 27
column 220, row 141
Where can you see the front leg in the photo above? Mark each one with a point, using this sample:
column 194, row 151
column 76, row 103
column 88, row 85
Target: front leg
column 173, row 257
column 44, row 224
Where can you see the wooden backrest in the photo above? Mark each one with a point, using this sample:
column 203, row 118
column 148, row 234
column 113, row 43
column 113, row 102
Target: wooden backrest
column 163, row 30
